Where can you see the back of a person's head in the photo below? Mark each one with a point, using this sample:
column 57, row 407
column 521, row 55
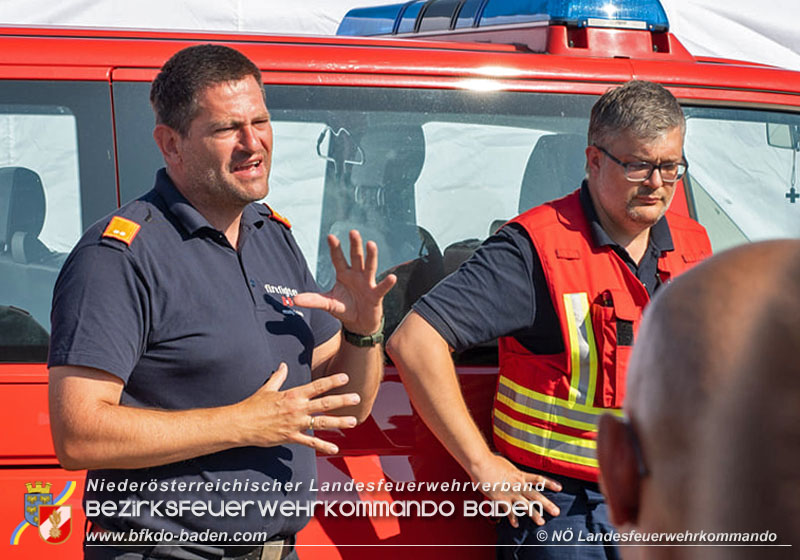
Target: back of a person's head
column 691, row 339
column 749, row 473
column 694, row 335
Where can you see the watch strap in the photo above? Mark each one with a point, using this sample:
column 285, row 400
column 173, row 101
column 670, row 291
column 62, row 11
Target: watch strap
column 365, row 341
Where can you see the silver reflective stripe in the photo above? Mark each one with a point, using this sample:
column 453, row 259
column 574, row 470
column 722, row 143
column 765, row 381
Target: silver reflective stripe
column 549, row 446
column 552, row 411
column 581, row 340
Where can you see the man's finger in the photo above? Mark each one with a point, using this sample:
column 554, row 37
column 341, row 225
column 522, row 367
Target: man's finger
column 316, row 443
column 549, row 483
column 538, row 519
column 385, row 285
column 333, row 402
column 322, row 385
column 513, row 520
column 334, row 422
column 371, row 264
column 278, row 377
column 337, row 256
column 314, row 300
column 356, row 251
column 547, row 505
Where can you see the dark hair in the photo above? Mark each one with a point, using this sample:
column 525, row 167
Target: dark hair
column 190, row 71
column 642, row 108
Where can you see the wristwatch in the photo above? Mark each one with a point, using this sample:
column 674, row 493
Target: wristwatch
column 365, row 341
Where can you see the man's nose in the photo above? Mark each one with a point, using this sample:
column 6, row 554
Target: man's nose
column 655, row 180
column 248, row 138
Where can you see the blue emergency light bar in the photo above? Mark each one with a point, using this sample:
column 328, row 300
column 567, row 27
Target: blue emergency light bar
column 421, row 16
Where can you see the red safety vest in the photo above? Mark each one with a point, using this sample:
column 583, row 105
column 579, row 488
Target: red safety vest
column 547, row 406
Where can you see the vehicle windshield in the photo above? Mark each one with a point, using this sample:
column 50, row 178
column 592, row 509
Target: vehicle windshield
column 426, row 174
column 742, row 188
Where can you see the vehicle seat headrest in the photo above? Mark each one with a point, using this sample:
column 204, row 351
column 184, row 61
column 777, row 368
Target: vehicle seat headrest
column 393, row 159
column 22, row 203
column 393, row 154
column 555, row 168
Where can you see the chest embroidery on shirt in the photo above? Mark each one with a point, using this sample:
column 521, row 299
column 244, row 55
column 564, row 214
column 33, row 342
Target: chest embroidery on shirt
column 286, row 295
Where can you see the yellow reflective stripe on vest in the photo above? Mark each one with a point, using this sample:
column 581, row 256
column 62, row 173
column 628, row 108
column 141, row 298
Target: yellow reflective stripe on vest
column 549, row 408
column 582, row 348
column 545, row 442
column 577, row 411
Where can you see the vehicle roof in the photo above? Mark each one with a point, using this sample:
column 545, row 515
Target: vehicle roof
column 121, row 33
column 374, row 60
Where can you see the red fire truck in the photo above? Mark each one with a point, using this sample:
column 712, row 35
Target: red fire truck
column 447, row 118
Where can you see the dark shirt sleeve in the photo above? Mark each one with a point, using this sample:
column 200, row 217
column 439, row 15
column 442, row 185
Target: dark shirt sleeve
column 323, row 324
column 490, row 295
column 100, row 312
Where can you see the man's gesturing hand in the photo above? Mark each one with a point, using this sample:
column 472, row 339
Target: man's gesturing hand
column 273, row 417
column 355, row 299
column 497, row 469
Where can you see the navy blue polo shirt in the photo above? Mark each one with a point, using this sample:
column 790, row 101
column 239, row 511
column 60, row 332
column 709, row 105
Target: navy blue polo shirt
column 187, row 321
column 501, row 290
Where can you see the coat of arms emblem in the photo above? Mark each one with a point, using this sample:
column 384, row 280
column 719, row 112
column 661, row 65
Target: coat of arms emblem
column 56, row 523
column 38, row 494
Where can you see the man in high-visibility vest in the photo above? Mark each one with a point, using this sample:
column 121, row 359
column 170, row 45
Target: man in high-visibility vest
column 704, row 429
column 563, row 286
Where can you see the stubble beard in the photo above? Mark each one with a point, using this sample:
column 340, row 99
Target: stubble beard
column 226, row 192
column 643, row 214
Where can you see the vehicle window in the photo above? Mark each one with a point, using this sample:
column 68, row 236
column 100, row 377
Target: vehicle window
column 24, row 138
column 297, row 178
column 137, row 154
column 429, row 174
column 426, row 174
column 486, row 181
column 741, row 187
column 56, row 178
column 297, row 181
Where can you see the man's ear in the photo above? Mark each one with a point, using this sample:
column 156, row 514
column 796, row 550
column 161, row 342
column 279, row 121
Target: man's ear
column 593, row 156
column 168, row 141
column 619, row 470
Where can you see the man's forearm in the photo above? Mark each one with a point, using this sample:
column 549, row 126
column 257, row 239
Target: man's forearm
column 94, row 433
column 423, row 360
column 91, row 430
column 365, row 368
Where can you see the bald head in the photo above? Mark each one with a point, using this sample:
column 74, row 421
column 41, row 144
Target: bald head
column 693, row 338
column 748, row 473
column 694, row 334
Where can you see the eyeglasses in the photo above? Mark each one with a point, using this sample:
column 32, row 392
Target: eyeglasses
column 640, row 171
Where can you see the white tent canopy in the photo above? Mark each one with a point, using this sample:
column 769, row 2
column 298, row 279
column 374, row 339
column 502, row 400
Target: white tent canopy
column 754, row 31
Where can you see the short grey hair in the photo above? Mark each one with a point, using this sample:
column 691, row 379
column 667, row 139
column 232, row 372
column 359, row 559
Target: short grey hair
column 644, row 109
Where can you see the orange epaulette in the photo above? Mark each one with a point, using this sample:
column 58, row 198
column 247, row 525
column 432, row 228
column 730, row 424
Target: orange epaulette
column 277, row 217
column 122, row 229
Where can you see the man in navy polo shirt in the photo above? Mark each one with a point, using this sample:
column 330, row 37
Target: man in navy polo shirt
column 191, row 353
